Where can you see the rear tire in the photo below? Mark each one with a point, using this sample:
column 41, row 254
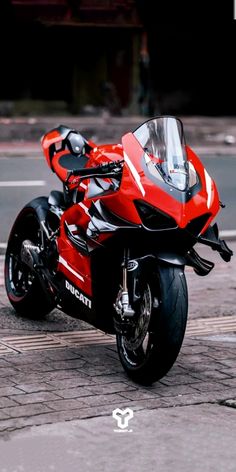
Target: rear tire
column 149, row 355
column 23, row 287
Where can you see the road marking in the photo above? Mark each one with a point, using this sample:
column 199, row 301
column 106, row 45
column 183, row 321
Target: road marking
column 22, row 183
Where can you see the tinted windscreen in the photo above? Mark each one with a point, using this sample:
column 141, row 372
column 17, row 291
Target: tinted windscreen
column 163, row 141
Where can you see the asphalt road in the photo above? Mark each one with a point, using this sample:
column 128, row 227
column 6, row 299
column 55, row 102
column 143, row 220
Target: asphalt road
column 22, row 179
column 13, row 198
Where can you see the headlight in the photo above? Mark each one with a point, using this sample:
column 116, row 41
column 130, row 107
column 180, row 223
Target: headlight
column 153, row 218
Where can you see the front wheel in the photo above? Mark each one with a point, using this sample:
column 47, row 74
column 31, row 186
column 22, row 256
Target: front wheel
column 153, row 344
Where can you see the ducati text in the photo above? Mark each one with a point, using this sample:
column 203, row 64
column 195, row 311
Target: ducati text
column 82, row 298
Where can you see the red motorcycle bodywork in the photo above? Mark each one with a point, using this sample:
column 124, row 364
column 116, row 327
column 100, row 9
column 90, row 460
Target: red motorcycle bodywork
column 135, row 185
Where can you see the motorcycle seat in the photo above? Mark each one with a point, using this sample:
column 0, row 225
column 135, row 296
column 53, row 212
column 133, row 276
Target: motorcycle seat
column 63, row 162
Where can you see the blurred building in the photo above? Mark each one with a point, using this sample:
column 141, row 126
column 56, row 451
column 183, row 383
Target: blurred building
column 74, row 55
column 126, row 56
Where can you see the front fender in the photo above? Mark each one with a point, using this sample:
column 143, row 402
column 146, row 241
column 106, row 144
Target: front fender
column 171, row 258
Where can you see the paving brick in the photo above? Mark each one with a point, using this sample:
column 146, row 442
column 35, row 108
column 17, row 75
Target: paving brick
column 178, row 379
column 115, row 387
column 188, row 399
column 3, row 416
column 93, row 400
column 78, row 381
column 37, row 397
column 97, row 400
column 12, row 424
column 26, row 358
column 35, row 387
column 230, row 363
column 100, row 369
column 5, row 391
column 230, row 382
column 7, row 372
column 211, row 375
column 196, row 349
column 5, row 402
column 148, row 403
column 60, row 405
column 104, row 358
column 229, row 370
column 221, row 355
column 36, row 367
column 27, row 377
column 111, row 378
column 193, row 369
column 62, row 355
column 166, row 391
column 69, row 364
column 75, row 392
column 176, row 370
column 139, row 395
column 209, row 386
column 195, row 358
column 7, row 382
column 62, row 374
column 4, row 363
column 27, row 410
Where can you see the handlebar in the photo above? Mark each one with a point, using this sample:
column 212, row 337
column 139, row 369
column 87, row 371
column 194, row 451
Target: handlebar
column 110, row 169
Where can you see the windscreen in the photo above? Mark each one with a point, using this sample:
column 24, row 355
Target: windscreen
column 163, row 142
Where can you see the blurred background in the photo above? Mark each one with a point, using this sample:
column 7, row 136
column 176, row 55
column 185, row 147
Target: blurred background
column 124, row 56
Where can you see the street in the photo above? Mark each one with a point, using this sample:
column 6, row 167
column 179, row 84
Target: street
column 22, row 179
column 223, row 170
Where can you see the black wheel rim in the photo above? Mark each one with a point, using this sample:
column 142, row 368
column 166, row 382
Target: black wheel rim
column 19, row 275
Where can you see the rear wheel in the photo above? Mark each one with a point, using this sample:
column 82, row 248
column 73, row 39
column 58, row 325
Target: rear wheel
column 22, row 285
column 152, row 346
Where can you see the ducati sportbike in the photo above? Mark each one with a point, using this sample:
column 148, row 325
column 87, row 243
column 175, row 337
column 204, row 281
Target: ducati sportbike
column 112, row 246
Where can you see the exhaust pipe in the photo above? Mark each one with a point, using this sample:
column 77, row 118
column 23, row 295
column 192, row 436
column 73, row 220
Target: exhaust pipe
column 30, row 254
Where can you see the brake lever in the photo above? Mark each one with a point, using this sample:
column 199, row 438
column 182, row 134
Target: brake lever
column 103, row 176
column 103, row 168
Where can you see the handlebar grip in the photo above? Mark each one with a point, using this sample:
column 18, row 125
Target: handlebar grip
column 101, row 169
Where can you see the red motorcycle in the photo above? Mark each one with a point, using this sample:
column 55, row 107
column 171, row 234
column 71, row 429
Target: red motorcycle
column 111, row 248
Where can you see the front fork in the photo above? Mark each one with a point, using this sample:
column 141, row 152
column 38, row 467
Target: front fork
column 127, row 310
column 133, row 271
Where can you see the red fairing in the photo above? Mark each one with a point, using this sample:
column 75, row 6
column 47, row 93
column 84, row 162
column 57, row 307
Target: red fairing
column 72, row 263
column 47, row 140
column 207, row 200
column 136, row 185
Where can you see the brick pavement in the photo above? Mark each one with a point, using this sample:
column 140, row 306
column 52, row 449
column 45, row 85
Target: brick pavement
column 47, row 387
column 81, row 382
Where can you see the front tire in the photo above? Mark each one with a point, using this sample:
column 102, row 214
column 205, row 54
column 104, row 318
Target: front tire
column 23, row 287
column 151, row 350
